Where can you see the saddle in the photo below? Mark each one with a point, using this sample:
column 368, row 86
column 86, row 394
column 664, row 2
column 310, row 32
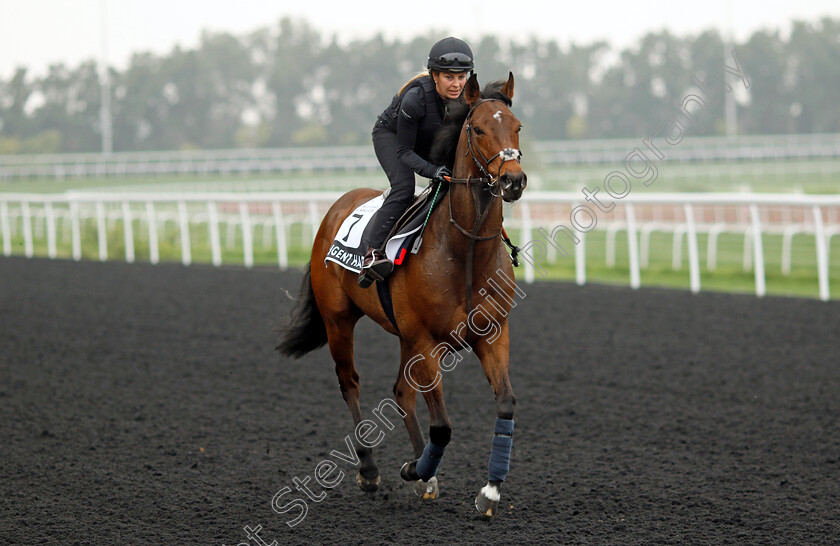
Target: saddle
column 419, row 209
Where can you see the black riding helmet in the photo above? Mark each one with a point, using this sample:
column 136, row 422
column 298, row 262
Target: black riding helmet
column 451, row 55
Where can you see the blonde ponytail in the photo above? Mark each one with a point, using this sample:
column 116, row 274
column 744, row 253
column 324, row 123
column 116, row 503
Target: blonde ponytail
column 412, row 80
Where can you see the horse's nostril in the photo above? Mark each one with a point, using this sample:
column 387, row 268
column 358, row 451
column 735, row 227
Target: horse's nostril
column 517, row 181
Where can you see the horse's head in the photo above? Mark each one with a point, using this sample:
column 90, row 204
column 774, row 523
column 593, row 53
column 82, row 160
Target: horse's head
column 492, row 137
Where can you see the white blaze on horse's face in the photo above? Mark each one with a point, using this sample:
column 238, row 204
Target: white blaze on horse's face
column 498, row 116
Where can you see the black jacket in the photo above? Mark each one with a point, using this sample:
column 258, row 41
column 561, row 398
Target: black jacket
column 415, row 117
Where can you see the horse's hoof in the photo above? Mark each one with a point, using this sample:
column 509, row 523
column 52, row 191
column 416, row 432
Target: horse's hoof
column 368, row 485
column 426, row 490
column 487, row 501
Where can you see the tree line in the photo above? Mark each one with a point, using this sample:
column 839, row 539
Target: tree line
column 287, row 85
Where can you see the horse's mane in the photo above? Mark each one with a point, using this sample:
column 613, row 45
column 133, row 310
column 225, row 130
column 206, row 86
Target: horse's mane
column 446, row 139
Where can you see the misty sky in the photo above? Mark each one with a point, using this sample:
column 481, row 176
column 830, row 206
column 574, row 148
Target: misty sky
column 36, row 33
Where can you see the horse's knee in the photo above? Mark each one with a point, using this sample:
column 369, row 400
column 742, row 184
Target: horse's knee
column 505, row 406
column 440, row 435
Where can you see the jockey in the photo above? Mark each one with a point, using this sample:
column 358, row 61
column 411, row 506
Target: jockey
column 402, row 140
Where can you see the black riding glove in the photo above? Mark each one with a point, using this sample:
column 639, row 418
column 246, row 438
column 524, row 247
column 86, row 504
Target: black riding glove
column 440, row 173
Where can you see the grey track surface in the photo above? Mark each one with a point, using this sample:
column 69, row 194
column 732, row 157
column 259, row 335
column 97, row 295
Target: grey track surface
column 145, row 405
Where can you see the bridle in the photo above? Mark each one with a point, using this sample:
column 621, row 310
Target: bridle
column 507, row 154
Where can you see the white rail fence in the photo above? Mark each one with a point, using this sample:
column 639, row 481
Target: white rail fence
column 550, row 224
column 361, row 158
column 197, row 162
column 694, row 149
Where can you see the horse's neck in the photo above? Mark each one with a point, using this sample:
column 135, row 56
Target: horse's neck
column 460, row 206
column 470, row 204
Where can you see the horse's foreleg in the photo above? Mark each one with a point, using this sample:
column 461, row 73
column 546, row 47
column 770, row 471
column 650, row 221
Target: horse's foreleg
column 340, row 336
column 494, row 360
column 421, row 372
column 406, row 397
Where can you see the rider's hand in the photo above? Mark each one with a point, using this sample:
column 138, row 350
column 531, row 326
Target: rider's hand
column 442, row 172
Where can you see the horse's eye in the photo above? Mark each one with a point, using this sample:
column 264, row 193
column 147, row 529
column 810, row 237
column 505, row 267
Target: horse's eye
column 478, row 131
column 519, row 129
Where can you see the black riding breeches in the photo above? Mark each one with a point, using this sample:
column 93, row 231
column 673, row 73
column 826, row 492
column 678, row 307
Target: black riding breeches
column 401, row 178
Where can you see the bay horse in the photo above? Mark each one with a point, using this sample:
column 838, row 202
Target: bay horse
column 433, row 296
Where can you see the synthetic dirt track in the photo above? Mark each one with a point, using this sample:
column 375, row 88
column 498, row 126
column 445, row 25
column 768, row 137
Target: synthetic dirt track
column 145, row 405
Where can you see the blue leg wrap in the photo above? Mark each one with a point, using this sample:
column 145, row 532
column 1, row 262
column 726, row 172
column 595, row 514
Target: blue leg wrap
column 427, row 464
column 500, row 456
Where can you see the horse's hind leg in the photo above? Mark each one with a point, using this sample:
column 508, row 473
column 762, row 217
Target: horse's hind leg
column 340, row 338
column 406, row 398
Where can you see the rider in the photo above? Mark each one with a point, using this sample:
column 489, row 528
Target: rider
column 402, row 140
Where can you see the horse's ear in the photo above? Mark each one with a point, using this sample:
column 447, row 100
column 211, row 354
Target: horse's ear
column 472, row 92
column 507, row 88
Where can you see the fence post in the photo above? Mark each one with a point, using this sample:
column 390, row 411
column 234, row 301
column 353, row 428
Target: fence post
column 184, row 226
column 101, row 231
column 51, row 251
column 711, row 249
column 758, row 251
column 822, row 255
column 693, row 258
column 128, row 232
column 676, row 252
column 213, row 227
column 633, row 247
column 787, row 246
column 247, row 236
column 27, row 229
column 282, row 250
column 76, row 230
column 154, row 251
column 580, row 260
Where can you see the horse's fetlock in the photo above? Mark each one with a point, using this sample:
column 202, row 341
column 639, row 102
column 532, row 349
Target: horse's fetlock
column 505, row 406
column 440, row 435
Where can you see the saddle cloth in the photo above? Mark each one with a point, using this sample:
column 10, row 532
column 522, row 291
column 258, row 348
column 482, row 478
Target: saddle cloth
column 348, row 249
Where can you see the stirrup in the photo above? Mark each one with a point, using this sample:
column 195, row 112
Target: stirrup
column 376, row 267
column 366, row 278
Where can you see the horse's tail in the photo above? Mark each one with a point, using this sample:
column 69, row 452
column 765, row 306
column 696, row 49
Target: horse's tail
column 305, row 331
